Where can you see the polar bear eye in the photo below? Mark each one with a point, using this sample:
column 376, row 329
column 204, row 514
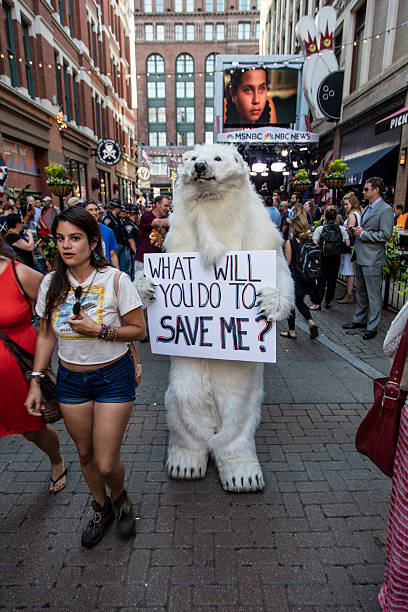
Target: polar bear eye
column 218, row 158
column 194, row 158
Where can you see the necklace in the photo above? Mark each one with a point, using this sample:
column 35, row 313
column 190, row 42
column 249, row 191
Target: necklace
column 78, row 295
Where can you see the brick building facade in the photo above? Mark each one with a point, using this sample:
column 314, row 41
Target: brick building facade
column 74, row 57
column 371, row 45
column 176, row 44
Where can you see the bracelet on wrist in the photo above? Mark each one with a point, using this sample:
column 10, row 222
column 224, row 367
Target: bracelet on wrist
column 108, row 333
column 38, row 376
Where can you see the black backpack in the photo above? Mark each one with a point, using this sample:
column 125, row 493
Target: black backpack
column 331, row 240
column 307, row 262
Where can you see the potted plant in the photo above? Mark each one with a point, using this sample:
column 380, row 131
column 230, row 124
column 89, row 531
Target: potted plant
column 335, row 175
column 58, row 181
column 301, row 180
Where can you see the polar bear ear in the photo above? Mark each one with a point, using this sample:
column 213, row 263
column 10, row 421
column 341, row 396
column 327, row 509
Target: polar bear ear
column 240, row 161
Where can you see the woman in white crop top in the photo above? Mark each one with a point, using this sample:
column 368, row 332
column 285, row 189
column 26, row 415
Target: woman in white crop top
column 91, row 311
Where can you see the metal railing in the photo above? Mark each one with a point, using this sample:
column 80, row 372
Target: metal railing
column 394, row 290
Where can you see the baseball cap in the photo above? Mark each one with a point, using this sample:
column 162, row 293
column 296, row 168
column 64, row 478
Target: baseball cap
column 46, row 199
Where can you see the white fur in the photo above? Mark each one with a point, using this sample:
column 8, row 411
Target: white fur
column 214, row 406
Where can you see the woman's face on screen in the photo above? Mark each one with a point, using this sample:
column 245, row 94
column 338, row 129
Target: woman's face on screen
column 250, row 96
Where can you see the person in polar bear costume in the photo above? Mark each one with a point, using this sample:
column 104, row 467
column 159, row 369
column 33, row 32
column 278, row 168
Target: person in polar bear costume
column 214, row 406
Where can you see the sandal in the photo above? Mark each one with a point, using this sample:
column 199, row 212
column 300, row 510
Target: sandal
column 315, row 307
column 288, row 335
column 54, row 482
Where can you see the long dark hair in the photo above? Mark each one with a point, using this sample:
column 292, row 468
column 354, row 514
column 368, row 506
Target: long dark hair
column 232, row 118
column 59, row 285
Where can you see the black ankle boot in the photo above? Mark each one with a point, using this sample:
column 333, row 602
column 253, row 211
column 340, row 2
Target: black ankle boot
column 125, row 520
column 102, row 517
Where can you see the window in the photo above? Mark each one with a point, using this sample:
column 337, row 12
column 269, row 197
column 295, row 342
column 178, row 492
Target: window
column 209, row 114
column 220, row 31
column 178, row 31
column 75, row 95
column 208, row 31
column 160, row 32
column 159, row 165
column 185, row 114
column 184, row 89
column 69, row 6
column 189, row 6
column 257, row 30
column 220, row 6
column 67, row 96
column 28, row 62
column 184, row 64
column 244, row 5
column 149, row 31
column 61, row 12
column 185, row 139
column 358, row 48
column 58, row 80
column 157, row 114
column 156, row 90
column 210, row 63
column 209, row 89
column 148, row 6
column 209, row 5
column 94, row 45
column 178, row 6
column 209, row 137
column 189, row 32
column 157, row 139
column 155, row 64
column 11, row 50
column 244, row 31
column 159, row 6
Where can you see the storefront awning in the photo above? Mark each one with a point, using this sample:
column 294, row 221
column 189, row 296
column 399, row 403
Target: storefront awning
column 358, row 166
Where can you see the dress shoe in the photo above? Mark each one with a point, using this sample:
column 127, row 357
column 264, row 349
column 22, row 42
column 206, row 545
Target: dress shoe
column 353, row 325
column 369, row 334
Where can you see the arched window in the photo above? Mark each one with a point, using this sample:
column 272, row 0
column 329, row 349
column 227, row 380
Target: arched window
column 155, row 64
column 185, row 110
column 184, row 64
column 156, row 100
column 209, row 70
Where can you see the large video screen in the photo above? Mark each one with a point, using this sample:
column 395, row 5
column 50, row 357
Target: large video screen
column 257, row 96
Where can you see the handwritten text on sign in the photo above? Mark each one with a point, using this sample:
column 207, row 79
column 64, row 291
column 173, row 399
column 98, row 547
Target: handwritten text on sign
column 211, row 312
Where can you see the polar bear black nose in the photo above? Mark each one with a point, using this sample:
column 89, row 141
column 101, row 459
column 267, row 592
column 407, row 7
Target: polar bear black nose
column 200, row 167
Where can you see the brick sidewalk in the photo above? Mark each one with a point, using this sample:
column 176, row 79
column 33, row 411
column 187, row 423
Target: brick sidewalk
column 313, row 540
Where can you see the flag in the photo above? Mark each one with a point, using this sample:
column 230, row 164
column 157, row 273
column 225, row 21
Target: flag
column 146, row 158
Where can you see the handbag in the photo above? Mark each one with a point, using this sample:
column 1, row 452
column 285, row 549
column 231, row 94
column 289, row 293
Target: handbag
column 50, row 408
column 377, row 435
column 132, row 348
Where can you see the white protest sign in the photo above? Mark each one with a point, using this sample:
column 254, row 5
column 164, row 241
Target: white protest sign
column 211, row 311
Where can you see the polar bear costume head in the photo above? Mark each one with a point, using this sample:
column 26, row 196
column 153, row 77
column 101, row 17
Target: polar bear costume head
column 212, row 171
column 216, row 208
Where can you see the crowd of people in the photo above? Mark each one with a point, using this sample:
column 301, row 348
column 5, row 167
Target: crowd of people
column 352, row 244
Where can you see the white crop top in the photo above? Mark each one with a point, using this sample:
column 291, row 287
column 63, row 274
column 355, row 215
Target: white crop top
column 101, row 304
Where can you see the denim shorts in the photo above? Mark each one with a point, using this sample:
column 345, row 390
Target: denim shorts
column 112, row 384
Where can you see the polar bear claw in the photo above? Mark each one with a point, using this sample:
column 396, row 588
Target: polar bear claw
column 186, row 463
column 241, row 476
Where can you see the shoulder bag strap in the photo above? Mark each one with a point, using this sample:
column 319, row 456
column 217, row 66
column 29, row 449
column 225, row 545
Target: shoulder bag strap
column 27, row 298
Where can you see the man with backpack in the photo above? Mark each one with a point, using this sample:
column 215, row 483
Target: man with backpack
column 332, row 240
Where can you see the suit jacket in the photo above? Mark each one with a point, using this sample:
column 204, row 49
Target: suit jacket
column 369, row 249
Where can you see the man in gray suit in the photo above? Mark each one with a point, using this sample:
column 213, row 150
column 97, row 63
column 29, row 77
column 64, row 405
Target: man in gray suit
column 377, row 222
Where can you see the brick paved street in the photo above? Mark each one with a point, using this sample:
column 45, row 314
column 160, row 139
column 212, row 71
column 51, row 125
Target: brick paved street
column 313, row 540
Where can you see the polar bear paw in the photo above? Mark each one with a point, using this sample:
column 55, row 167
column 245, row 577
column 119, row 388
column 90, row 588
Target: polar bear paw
column 274, row 303
column 186, row 463
column 145, row 287
column 238, row 475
